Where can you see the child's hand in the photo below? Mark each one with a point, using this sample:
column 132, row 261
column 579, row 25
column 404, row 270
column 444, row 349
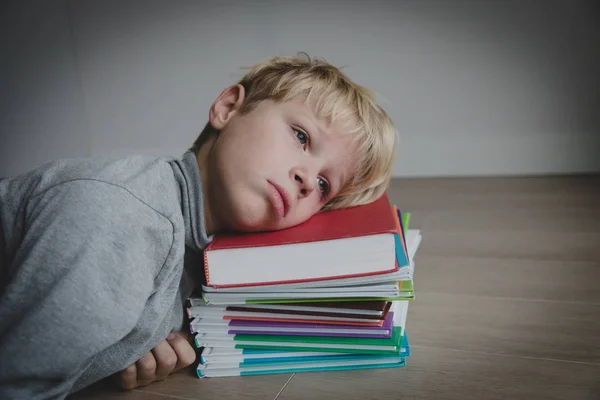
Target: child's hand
column 168, row 356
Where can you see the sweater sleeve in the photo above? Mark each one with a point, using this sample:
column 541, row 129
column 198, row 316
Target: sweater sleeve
column 88, row 261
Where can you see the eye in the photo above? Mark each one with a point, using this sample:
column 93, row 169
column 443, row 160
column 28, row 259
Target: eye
column 324, row 187
column 301, row 136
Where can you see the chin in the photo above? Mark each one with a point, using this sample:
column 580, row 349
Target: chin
column 253, row 226
column 263, row 224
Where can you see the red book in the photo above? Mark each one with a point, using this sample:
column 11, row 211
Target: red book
column 351, row 242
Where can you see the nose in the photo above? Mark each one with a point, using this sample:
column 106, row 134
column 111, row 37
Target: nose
column 306, row 185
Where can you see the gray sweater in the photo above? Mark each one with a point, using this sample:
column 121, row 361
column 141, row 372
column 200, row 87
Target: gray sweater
column 92, row 270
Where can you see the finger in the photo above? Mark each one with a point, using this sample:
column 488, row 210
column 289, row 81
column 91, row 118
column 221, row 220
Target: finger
column 186, row 335
column 186, row 354
column 166, row 360
column 127, row 379
column 146, row 368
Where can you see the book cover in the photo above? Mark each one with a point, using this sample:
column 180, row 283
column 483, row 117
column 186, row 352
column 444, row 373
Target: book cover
column 370, row 219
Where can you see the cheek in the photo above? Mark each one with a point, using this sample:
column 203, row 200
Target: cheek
column 304, row 212
column 239, row 156
column 274, row 155
column 248, row 212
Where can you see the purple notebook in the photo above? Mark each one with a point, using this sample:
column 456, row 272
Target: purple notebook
column 276, row 328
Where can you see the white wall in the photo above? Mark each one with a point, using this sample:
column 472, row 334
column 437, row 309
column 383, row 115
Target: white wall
column 475, row 87
column 42, row 115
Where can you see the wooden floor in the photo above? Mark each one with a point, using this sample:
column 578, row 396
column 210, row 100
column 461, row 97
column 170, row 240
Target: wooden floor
column 507, row 302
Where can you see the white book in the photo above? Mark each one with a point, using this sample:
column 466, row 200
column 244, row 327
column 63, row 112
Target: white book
column 354, row 242
column 413, row 240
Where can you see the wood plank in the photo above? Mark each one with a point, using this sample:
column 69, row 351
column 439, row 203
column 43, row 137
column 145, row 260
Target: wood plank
column 132, row 395
column 444, row 374
column 191, row 387
column 104, row 390
column 496, row 194
column 562, row 331
column 508, row 244
column 537, row 220
column 534, row 279
column 571, row 184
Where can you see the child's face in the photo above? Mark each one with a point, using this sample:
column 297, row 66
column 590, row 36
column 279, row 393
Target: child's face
column 275, row 166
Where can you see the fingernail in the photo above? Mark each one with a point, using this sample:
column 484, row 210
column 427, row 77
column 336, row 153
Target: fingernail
column 171, row 336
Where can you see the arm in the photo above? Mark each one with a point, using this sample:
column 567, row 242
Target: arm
column 83, row 272
column 176, row 352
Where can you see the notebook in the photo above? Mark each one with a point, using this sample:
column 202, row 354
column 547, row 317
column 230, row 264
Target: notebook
column 353, row 242
column 234, row 327
column 406, row 246
column 389, row 345
column 383, row 287
column 219, row 355
column 378, row 308
column 315, row 366
column 230, row 361
column 202, row 316
column 359, row 345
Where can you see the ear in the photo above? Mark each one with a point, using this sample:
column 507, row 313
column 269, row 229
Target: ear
column 226, row 106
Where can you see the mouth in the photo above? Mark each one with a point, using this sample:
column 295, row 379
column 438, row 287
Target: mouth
column 280, row 199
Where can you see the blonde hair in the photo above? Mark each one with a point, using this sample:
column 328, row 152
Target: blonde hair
column 334, row 97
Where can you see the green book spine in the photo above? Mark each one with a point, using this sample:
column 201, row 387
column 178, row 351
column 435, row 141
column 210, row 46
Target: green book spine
column 409, row 296
column 348, row 342
column 308, row 348
column 321, row 369
column 405, row 221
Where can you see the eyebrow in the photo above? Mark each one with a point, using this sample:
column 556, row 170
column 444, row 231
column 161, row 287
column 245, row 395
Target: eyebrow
column 314, row 122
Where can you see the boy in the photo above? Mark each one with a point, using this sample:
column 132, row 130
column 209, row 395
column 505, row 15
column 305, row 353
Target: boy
column 98, row 256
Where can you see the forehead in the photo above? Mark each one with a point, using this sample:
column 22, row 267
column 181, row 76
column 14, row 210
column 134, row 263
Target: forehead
column 340, row 150
column 340, row 127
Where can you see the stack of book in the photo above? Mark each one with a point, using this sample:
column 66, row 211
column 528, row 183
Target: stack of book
column 329, row 294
